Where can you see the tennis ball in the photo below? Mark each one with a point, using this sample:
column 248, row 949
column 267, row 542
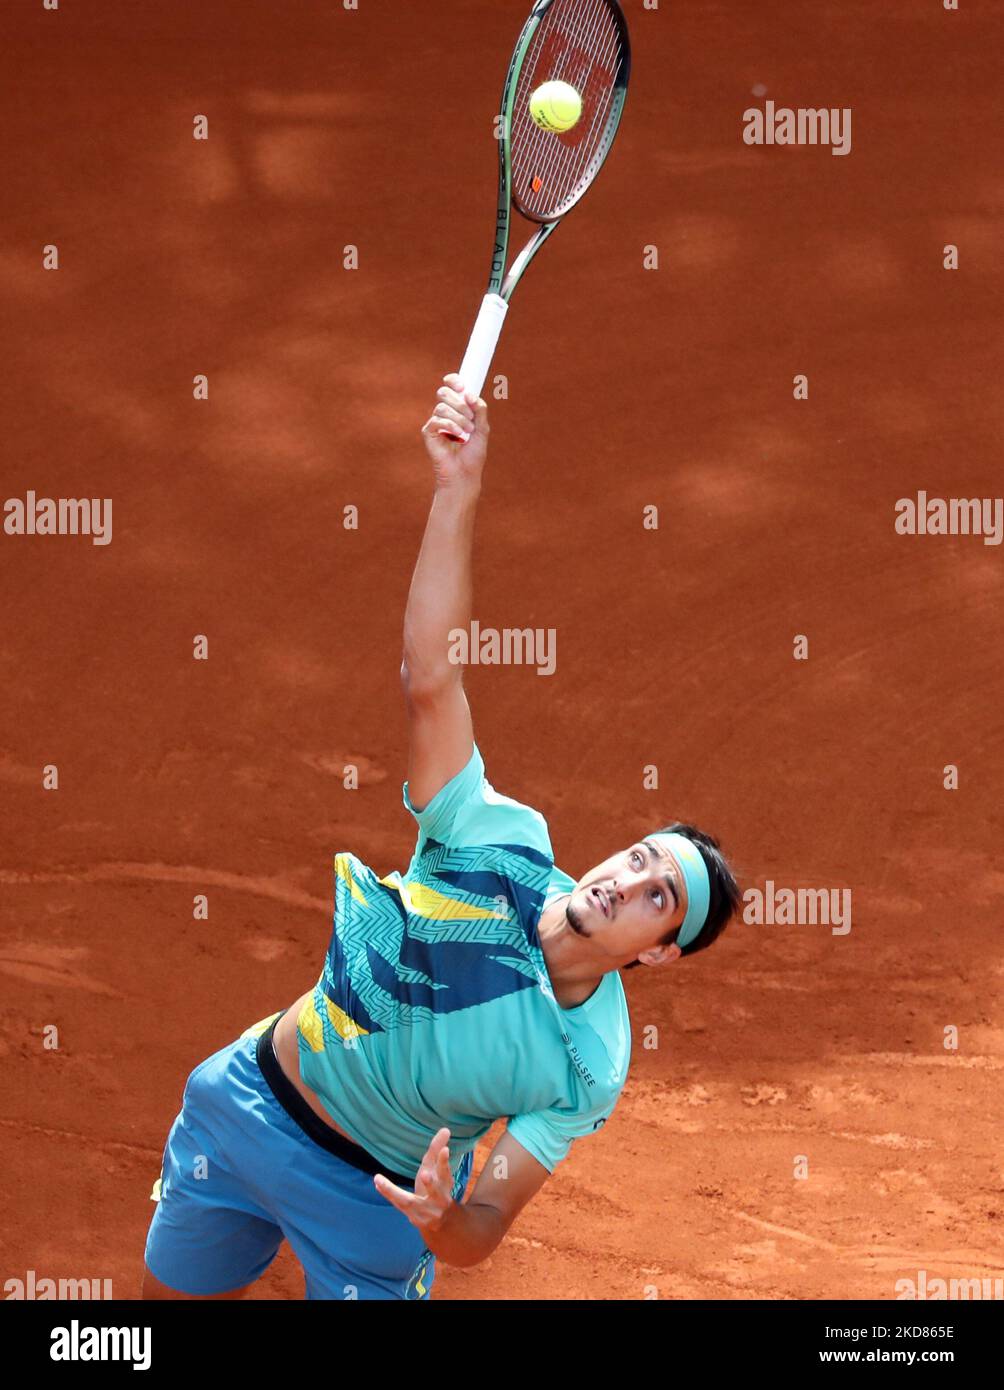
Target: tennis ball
column 556, row 106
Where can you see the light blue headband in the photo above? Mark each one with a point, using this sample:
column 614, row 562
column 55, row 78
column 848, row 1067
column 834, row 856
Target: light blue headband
column 695, row 876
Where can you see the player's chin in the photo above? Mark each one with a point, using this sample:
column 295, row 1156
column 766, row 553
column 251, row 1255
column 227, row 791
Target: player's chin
column 574, row 919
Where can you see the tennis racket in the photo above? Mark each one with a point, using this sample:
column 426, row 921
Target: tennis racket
column 543, row 174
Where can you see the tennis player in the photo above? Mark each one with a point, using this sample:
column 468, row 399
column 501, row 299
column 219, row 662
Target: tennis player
column 482, row 983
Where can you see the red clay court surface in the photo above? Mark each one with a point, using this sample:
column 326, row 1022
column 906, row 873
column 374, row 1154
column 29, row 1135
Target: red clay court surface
column 627, row 387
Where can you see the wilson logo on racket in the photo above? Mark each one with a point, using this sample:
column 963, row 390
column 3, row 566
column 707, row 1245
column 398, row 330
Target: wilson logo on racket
column 543, row 173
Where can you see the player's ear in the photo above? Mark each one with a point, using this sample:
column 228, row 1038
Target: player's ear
column 660, row 955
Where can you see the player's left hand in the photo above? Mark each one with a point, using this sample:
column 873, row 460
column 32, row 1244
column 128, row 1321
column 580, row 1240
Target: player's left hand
column 430, row 1204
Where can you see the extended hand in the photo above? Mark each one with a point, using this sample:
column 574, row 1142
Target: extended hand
column 429, row 1205
column 462, row 414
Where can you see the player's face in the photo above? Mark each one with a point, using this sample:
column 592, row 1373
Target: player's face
column 630, row 902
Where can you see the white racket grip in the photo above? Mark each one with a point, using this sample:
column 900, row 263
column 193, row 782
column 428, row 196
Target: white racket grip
column 484, row 340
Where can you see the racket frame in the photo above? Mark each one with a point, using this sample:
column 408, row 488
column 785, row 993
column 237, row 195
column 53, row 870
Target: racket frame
column 498, row 282
column 494, row 305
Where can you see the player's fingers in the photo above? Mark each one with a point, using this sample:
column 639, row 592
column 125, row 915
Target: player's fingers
column 449, row 429
column 440, row 1150
column 397, row 1196
column 441, row 1137
column 443, row 1169
column 455, row 398
column 435, row 426
column 446, row 412
column 480, row 416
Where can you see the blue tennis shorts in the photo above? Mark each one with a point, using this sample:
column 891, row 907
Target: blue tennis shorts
column 240, row 1174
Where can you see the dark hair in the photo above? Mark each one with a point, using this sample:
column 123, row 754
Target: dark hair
column 725, row 895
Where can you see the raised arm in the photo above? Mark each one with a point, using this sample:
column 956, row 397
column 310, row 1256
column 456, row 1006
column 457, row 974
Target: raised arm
column 441, row 732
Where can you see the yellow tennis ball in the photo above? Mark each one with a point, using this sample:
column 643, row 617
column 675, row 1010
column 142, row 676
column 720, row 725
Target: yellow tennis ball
column 556, row 106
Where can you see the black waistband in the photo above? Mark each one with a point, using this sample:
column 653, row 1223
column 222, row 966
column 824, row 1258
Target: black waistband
column 312, row 1125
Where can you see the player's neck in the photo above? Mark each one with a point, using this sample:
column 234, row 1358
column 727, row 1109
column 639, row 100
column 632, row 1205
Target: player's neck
column 573, row 978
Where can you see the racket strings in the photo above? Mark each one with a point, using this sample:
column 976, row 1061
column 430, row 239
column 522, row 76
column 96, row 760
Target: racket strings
column 563, row 171
column 561, row 153
column 559, row 174
column 550, row 171
column 544, row 151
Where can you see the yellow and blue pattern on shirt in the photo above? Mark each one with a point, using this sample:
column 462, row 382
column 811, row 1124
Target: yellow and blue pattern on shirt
column 458, row 932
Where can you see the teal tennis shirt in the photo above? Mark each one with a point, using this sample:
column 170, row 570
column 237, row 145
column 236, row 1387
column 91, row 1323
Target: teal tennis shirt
column 435, row 1006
